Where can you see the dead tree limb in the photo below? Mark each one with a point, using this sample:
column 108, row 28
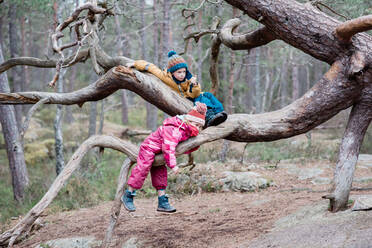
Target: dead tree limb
column 115, row 210
column 359, row 120
column 348, row 29
column 259, row 37
column 46, row 63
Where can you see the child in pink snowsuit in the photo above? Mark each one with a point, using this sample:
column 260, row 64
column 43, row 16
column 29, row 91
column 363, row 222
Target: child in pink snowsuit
column 165, row 139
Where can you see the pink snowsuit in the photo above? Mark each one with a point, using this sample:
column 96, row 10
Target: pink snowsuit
column 164, row 139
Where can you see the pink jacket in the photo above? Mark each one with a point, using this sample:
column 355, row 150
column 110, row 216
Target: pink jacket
column 167, row 137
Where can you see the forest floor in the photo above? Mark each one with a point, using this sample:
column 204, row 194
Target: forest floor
column 223, row 219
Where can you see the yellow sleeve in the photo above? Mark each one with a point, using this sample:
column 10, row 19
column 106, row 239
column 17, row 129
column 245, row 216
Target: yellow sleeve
column 143, row 65
column 196, row 90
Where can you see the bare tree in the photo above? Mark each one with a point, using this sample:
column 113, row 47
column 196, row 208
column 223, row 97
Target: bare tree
column 14, row 147
column 13, row 47
column 347, row 83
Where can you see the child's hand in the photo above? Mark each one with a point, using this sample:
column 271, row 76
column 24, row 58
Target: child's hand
column 176, row 169
column 130, row 64
column 193, row 81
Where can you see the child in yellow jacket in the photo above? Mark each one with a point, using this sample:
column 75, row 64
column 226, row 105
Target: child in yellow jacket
column 178, row 77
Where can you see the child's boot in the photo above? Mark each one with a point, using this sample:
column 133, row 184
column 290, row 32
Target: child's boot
column 127, row 200
column 164, row 205
column 217, row 119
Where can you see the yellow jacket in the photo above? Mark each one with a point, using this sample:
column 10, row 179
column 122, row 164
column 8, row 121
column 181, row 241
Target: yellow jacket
column 166, row 77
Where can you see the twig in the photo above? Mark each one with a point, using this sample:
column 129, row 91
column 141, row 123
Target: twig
column 317, row 3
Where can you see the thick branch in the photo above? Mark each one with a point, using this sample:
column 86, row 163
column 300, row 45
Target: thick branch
column 46, row 63
column 246, row 41
column 120, row 77
column 359, row 120
column 349, row 28
column 302, row 26
column 333, row 93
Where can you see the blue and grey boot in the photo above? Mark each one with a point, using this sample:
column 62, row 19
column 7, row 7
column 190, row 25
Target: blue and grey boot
column 127, row 200
column 164, row 205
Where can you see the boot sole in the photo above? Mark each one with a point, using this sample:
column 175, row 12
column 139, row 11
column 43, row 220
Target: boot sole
column 166, row 211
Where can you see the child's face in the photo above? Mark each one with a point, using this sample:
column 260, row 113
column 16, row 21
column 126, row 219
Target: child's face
column 197, row 125
column 180, row 74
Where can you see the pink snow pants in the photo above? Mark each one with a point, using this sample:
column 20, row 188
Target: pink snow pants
column 144, row 161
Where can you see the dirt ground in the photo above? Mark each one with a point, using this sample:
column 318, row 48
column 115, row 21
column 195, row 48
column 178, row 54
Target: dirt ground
column 202, row 220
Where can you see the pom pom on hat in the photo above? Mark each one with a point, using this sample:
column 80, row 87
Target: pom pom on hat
column 197, row 113
column 171, row 53
column 201, row 108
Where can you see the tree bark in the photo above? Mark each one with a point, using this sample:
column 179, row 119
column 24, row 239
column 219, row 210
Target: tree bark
column 151, row 111
column 359, row 120
column 93, row 113
column 121, row 47
column 295, row 79
column 14, row 148
column 257, row 81
column 58, row 135
column 13, row 45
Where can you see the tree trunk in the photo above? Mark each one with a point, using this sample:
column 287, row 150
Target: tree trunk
column 13, row 45
column 13, row 145
column 69, row 118
column 93, row 112
column 165, row 38
column 284, row 84
column 25, row 79
column 295, row 79
column 257, row 81
column 151, row 110
column 359, row 120
column 249, row 85
column 200, row 48
column 120, row 47
column 58, row 135
column 165, row 32
column 231, row 83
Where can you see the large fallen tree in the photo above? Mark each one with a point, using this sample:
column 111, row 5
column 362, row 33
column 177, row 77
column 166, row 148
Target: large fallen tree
column 348, row 83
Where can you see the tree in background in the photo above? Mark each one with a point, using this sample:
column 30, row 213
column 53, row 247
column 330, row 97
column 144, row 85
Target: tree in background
column 347, row 83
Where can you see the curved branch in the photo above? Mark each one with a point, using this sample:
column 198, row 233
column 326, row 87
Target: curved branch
column 250, row 40
column 121, row 77
column 333, row 93
column 46, row 63
column 346, row 30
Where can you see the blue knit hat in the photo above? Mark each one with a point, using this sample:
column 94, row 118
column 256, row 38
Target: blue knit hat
column 176, row 62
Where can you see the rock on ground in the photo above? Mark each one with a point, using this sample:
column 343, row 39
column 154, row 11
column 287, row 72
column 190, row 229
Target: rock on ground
column 75, row 242
column 315, row 227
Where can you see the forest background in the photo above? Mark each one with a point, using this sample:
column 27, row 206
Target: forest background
column 260, row 80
